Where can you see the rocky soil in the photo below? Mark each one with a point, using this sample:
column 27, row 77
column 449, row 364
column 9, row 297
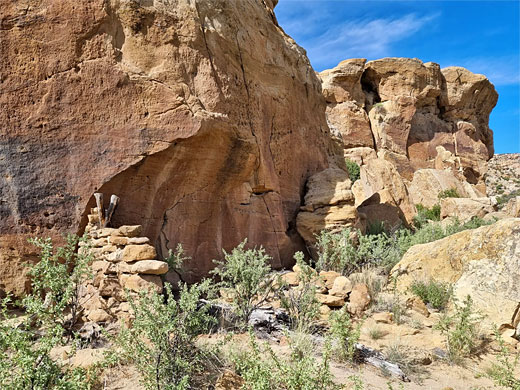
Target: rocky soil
column 503, row 177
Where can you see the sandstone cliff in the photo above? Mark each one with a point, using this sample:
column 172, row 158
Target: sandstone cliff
column 428, row 124
column 203, row 116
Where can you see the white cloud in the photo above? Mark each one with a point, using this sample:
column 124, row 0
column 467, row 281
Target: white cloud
column 367, row 38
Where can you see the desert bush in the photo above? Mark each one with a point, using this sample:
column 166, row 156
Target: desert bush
column 176, row 258
column 337, row 251
column 376, row 227
column 161, row 339
column 437, row 294
column 262, row 369
column 247, row 274
column 300, row 303
column 353, row 170
column 55, row 282
column 53, row 308
column 344, row 334
column 461, row 330
column 449, row 193
column 502, row 372
column 425, row 214
column 376, row 333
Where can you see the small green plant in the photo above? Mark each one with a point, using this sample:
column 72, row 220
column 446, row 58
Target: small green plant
column 425, row 214
column 53, row 308
column 502, row 371
column 161, row 340
column 176, row 258
column 353, row 170
column 344, row 333
column 301, row 303
column 437, row 294
column 376, row 333
column 262, row 369
column 357, row 383
column 56, row 282
column 449, row 193
column 247, row 274
column 376, row 227
column 460, row 330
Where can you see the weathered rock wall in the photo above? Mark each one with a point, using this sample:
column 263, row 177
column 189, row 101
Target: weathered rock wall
column 423, row 120
column 203, row 116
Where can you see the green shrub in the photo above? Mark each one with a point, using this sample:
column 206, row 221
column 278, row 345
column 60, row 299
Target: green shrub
column 425, row 214
column 461, row 330
column 353, row 170
column 339, row 252
column 449, row 193
column 301, row 303
column 56, row 280
column 161, row 340
column 502, row 372
column 53, row 309
column 247, row 274
column 437, row 294
column 344, row 333
column 376, row 227
column 262, row 369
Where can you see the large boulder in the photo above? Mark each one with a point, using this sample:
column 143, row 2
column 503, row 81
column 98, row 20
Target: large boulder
column 203, row 116
column 483, row 263
column 427, row 184
column 465, row 209
column 381, row 194
column 328, row 204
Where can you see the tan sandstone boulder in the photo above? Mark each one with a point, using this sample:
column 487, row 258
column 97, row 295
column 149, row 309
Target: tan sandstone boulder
column 329, row 203
column 464, row 209
column 484, row 263
column 427, row 184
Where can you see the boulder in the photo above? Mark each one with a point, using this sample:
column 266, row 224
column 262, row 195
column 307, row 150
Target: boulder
column 149, row 267
column 190, row 113
column 130, row 231
column 381, row 194
column 359, row 299
column 141, row 282
column 483, row 263
column 138, row 252
column 329, row 203
column 329, row 277
column 464, row 209
column 330, row 300
column 427, row 184
column 512, row 207
column 341, row 287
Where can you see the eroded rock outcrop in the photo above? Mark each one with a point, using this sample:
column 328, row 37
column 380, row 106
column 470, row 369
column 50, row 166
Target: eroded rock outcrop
column 417, row 117
column 484, row 263
column 203, row 116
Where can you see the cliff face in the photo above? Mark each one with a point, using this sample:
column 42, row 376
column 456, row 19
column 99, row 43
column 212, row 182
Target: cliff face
column 406, row 110
column 203, row 116
column 412, row 126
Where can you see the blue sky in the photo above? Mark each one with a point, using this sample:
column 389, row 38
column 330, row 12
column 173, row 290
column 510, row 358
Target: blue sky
column 482, row 36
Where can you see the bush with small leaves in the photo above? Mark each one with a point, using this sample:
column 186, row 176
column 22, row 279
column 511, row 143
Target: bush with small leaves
column 161, row 339
column 425, row 214
column 53, row 308
column 301, row 303
column 437, row 294
column 247, row 274
column 56, row 281
column 461, row 330
column 449, row 193
column 502, row 372
column 262, row 369
column 353, row 170
column 344, row 334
